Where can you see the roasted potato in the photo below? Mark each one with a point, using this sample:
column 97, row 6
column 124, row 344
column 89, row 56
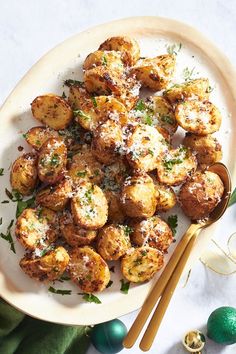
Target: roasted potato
column 201, row 194
column 46, row 268
column 130, row 94
column 114, row 175
column 36, row 228
column 55, row 197
column 176, row 166
column 23, row 175
column 200, row 118
column 84, row 166
column 153, row 232
column 113, row 242
column 145, row 147
column 88, row 270
column 37, row 136
column 107, row 142
column 52, row 161
column 110, row 59
column 74, row 235
column 89, row 206
column 115, row 212
column 193, row 89
column 127, row 46
column 103, row 81
column 138, row 196
column 166, row 198
column 155, row 73
column 164, row 115
column 140, row 264
column 52, row 111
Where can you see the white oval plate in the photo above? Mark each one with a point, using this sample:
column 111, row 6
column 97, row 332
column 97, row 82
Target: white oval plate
column 47, row 75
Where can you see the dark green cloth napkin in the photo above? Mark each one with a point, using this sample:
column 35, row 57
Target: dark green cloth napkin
column 21, row 334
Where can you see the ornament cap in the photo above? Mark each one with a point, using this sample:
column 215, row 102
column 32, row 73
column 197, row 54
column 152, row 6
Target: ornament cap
column 194, row 341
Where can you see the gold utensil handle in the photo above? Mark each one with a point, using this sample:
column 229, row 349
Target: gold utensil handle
column 161, row 308
column 158, row 288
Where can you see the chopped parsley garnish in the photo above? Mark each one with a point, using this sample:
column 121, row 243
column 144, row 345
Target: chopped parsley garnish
column 8, row 237
column 71, row 82
column 0, row 221
column 168, row 164
column 232, row 198
column 45, row 250
column 209, row 89
column 55, row 160
column 104, row 60
column 138, row 261
column 94, row 101
column 1, row 171
column 59, row 291
column 64, row 278
column 90, row 298
column 172, row 221
column 80, row 113
column 25, row 135
column 150, row 151
column 23, row 204
column 174, row 48
column 96, row 173
column 88, row 195
column 148, row 120
column 63, row 95
column 5, row 202
column 127, row 230
column 109, row 284
column 81, row 173
column 167, row 119
column 187, row 73
column 124, row 286
column 112, row 269
column 14, row 195
column 140, row 106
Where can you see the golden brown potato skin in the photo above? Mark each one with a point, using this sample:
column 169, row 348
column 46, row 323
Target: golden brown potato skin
column 37, row 136
column 52, row 110
column 74, row 235
column 52, row 161
column 115, row 212
column 88, row 270
column 127, row 46
column 46, row 268
column 200, row 118
column 35, row 228
column 155, row 73
column 201, row 194
column 113, row 242
column 166, row 198
column 207, row 148
column 140, row 264
column 23, row 176
column 153, row 232
column 194, row 89
column 164, row 114
column 110, row 59
column 89, row 206
column 138, row 196
column 55, row 197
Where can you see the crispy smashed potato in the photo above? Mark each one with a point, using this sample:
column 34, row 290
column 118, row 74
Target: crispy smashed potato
column 193, row 89
column 138, row 197
column 37, row 136
column 89, row 206
column 176, row 166
column 23, row 175
column 35, row 228
column 52, row 111
column 46, row 268
column 88, row 270
column 200, row 195
column 155, row 73
column 153, row 232
column 140, row 264
column 127, row 46
column 110, row 59
column 52, row 161
column 200, row 118
column 164, row 114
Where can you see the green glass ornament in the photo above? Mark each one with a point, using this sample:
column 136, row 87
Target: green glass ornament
column 221, row 325
column 107, row 337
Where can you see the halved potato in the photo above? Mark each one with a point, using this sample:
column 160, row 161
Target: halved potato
column 52, row 161
column 193, row 89
column 153, row 232
column 207, row 148
column 52, row 110
column 37, row 136
column 88, row 270
column 200, row 118
column 176, row 166
column 35, row 228
column 89, row 206
column 138, row 196
column 74, row 235
column 115, row 212
column 155, row 73
column 55, row 197
column 127, row 46
column 23, row 175
column 46, row 268
column 140, row 264
column 110, row 59
column 164, row 114
column 113, row 242
column 145, row 147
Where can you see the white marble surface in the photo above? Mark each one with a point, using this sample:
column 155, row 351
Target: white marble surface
column 30, row 28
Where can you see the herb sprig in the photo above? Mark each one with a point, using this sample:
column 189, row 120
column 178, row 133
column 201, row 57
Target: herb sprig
column 172, row 221
column 8, row 237
column 124, row 286
column 90, row 298
column 59, row 291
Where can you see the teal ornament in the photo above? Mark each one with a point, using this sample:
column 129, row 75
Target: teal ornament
column 108, row 337
column 221, row 325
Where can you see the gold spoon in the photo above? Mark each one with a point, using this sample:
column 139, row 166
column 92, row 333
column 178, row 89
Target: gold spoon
column 161, row 283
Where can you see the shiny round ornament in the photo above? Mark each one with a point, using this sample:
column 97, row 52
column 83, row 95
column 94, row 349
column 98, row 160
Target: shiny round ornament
column 107, row 337
column 194, row 341
column 221, row 325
